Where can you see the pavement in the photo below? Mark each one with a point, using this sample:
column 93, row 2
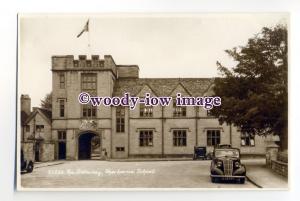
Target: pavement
column 257, row 171
column 45, row 164
column 143, row 173
column 149, row 159
column 262, row 176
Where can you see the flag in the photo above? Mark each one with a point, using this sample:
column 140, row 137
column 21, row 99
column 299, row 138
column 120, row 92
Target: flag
column 85, row 28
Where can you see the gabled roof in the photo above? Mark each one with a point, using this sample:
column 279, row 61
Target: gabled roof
column 146, row 85
column 183, row 87
column 162, row 86
column 45, row 113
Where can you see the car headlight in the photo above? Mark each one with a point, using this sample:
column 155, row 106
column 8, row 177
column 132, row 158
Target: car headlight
column 237, row 164
column 219, row 163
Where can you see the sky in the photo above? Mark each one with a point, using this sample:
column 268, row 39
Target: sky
column 162, row 45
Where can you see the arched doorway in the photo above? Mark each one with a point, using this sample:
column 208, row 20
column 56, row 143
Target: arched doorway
column 89, row 146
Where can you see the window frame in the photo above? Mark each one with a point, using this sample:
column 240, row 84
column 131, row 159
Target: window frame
column 62, row 82
column 146, row 138
column 120, row 149
column 39, row 128
column 179, row 111
column 247, row 137
column 89, row 85
column 213, row 137
column 89, row 111
column 179, row 137
column 62, row 135
column 120, row 119
column 146, row 111
column 62, row 108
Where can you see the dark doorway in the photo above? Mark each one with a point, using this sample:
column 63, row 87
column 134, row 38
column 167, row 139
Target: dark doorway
column 85, row 145
column 37, row 152
column 62, row 150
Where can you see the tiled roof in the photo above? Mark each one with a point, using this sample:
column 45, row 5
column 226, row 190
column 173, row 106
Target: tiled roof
column 162, row 86
column 46, row 112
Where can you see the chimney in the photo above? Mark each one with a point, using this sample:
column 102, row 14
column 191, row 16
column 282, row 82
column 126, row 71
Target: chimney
column 26, row 103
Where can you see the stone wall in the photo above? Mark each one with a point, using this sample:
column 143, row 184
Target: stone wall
column 277, row 161
column 28, row 152
column 128, row 71
column 47, row 151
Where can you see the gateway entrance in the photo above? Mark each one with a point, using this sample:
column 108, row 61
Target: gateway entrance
column 89, row 146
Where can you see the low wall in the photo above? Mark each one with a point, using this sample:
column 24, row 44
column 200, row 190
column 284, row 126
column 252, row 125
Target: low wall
column 28, row 152
column 280, row 167
column 278, row 162
column 47, row 152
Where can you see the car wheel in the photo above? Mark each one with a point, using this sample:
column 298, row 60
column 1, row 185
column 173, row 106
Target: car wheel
column 214, row 179
column 30, row 167
column 242, row 180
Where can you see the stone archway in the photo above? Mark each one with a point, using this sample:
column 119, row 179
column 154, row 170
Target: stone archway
column 89, row 146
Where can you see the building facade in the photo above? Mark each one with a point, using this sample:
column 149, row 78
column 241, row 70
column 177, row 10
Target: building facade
column 87, row 132
column 36, row 135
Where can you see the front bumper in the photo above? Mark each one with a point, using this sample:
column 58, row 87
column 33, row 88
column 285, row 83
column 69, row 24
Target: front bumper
column 228, row 176
column 238, row 173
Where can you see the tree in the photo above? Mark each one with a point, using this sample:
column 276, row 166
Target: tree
column 46, row 103
column 254, row 92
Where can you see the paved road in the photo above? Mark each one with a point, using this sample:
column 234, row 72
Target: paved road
column 109, row 174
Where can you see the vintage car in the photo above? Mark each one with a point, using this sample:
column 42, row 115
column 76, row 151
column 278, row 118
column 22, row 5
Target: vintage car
column 226, row 165
column 199, row 153
column 26, row 165
column 224, row 146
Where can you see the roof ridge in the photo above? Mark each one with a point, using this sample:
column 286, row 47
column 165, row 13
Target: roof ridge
column 174, row 78
column 179, row 78
column 162, row 86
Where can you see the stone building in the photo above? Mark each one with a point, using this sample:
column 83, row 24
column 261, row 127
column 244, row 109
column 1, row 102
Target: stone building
column 36, row 136
column 86, row 132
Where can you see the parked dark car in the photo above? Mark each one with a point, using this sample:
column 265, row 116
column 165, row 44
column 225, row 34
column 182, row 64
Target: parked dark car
column 26, row 165
column 199, row 153
column 224, row 146
column 226, row 166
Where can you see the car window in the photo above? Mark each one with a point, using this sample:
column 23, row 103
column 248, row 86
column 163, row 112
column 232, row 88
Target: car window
column 228, row 153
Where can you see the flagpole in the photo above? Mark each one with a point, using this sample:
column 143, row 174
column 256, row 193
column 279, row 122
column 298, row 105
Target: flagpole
column 89, row 39
column 87, row 29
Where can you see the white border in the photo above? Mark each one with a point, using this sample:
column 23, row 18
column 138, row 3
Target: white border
column 8, row 28
column 126, row 15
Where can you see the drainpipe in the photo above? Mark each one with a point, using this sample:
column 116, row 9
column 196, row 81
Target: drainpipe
column 162, row 133
column 23, row 133
column 34, row 145
column 128, row 132
column 230, row 134
column 197, row 110
column 111, row 131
